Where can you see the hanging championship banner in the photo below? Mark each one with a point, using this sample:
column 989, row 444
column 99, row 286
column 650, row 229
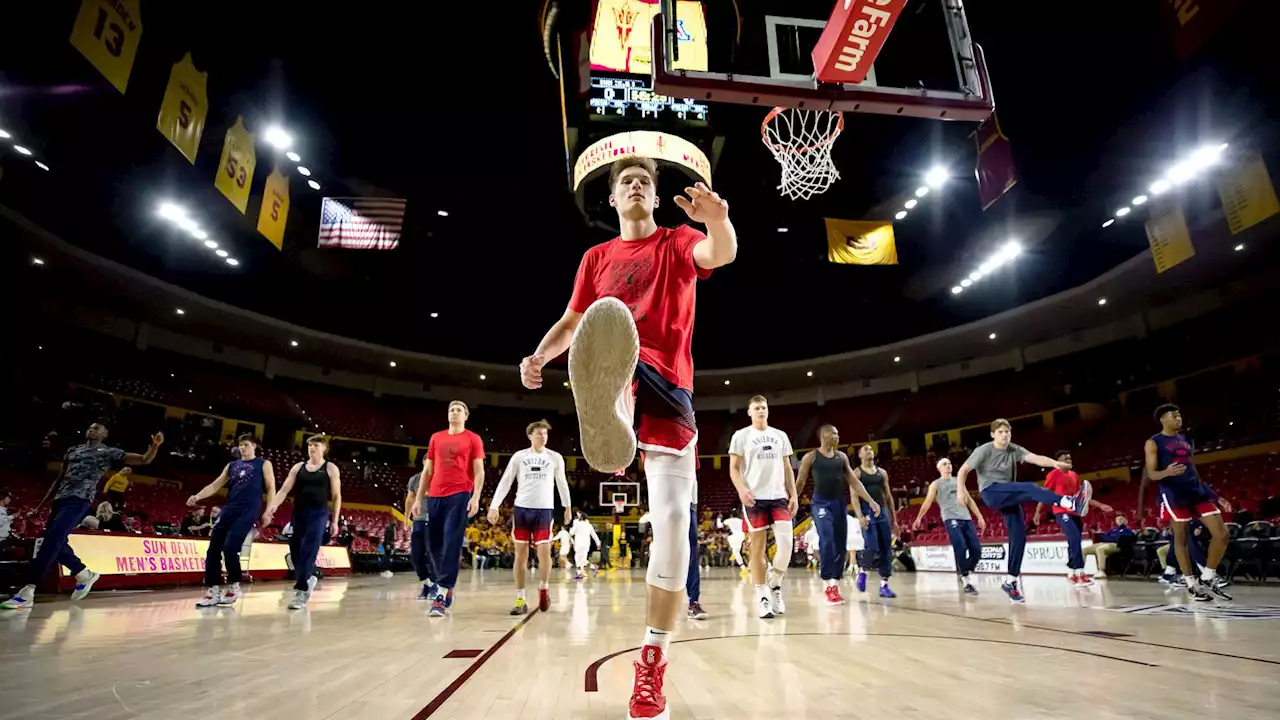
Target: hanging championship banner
column 275, row 208
column 861, row 242
column 235, row 171
column 994, row 170
column 107, row 32
column 184, row 107
column 1248, row 197
column 1170, row 239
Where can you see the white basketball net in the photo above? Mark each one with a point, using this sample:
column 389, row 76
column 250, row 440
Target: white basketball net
column 801, row 141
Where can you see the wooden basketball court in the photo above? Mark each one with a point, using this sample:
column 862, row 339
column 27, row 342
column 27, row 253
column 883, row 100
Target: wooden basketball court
column 366, row 649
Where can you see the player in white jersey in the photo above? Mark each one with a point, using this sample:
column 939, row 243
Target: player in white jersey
column 583, row 535
column 854, row 543
column 533, row 470
column 563, row 544
column 811, row 541
column 760, row 467
column 737, row 535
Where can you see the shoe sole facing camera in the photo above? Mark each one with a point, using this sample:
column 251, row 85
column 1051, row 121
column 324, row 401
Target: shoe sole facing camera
column 602, row 363
column 82, row 591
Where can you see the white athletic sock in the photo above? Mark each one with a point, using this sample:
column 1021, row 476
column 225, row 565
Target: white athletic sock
column 884, row 582
column 658, row 638
column 762, row 591
column 84, row 575
column 544, row 585
column 1207, row 575
column 831, row 583
column 1191, row 580
column 1010, row 579
column 520, row 593
column 1169, row 570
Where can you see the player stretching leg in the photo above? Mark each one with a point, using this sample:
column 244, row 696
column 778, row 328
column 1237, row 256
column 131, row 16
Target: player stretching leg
column 958, row 518
column 582, row 535
column 831, row 474
column 1169, row 461
column 452, row 477
column 82, row 468
column 1072, row 524
column 737, row 536
column 996, row 465
column 760, row 468
column 633, row 311
column 880, row 531
column 533, row 470
column 245, row 479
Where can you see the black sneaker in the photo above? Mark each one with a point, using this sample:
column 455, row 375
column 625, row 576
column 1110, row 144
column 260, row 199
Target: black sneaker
column 1199, row 593
column 969, row 589
column 696, row 612
column 1216, row 590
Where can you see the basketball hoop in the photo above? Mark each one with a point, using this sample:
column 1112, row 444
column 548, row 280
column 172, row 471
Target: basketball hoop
column 801, row 141
column 619, row 507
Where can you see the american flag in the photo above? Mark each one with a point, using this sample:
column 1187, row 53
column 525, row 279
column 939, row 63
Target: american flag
column 361, row 223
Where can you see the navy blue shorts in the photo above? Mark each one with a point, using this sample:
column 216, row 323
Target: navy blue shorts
column 663, row 412
column 532, row 525
column 766, row 512
column 1181, row 502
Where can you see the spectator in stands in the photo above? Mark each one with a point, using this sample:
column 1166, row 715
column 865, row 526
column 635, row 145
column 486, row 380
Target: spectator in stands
column 108, row 518
column 6, row 520
column 117, row 486
column 388, row 549
column 90, row 522
column 1109, row 543
column 194, row 523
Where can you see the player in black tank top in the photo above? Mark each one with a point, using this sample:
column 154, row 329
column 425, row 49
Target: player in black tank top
column 832, row 474
column 881, row 531
column 318, row 483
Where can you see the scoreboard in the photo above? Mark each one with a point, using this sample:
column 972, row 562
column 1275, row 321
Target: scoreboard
column 633, row 98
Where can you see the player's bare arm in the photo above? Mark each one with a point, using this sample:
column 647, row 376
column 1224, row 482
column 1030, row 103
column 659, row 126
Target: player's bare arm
column 888, row 499
column 739, row 484
column 859, row 490
column 793, row 496
column 553, row 345
column 962, row 493
column 806, row 463
column 1045, row 462
column 145, row 459
column 1174, row 469
column 707, row 207
column 929, row 498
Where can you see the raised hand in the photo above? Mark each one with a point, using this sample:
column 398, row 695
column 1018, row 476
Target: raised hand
column 703, row 205
column 157, row 440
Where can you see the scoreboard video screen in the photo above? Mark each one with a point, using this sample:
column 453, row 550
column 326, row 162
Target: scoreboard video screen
column 633, row 98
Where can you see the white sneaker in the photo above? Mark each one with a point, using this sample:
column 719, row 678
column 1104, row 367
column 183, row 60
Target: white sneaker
column 311, row 585
column 83, row 586
column 1086, row 494
column 384, row 573
column 602, row 363
column 230, row 596
column 299, row 601
column 212, row 596
column 775, row 600
column 22, row 600
column 764, row 608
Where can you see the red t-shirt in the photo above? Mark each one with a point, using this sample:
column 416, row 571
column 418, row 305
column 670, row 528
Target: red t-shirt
column 451, row 459
column 656, row 277
column 1064, row 483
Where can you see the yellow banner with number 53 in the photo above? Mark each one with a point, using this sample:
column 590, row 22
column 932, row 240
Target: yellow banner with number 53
column 107, row 32
column 235, row 170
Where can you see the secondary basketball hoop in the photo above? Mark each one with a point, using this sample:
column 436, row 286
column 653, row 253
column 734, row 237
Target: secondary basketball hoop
column 801, row 141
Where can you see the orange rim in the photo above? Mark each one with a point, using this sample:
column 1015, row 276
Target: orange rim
column 830, row 138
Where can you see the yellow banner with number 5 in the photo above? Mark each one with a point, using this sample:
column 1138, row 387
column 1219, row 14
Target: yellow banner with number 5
column 275, row 208
column 185, row 105
column 107, row 32
column 235, row 170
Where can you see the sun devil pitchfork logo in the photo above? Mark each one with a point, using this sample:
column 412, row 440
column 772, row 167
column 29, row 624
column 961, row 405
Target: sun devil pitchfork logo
column 625, row 19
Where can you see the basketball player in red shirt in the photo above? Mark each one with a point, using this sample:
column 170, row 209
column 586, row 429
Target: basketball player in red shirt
column 1068, row 483
column 629, row 330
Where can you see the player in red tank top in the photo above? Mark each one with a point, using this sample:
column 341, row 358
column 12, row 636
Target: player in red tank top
column 629, row 331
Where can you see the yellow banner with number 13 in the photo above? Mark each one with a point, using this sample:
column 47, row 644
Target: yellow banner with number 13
column 235, row 170
column 275, row 208
column 107, row 32
column 185, row 105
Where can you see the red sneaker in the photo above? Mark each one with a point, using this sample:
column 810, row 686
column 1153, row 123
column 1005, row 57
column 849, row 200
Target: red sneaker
column 544, row 599
column 647, row 700
column 1073, row 580
column 833, row 596
column 1084, row 580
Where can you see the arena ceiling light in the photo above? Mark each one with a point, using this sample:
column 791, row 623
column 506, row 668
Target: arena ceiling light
column 1003, row 255
column 278, row 138
column 304, row 171
column 900, row 215
column 956, row 290
column 42, row 166
column 180, row 311
column 1123, row 211
column 22, row 150
column 442, row 213
column 1109, row 222
column 37, row 261
column 936, row 176
column 313, row 184
column 294, row 343
column 911, row 203
column 782, row 230
column 293, row 156
column 809, row 374
column 435, row 314
column 393, row 363
column 922, row 191
column 897, row 358
column 1239, row 247
column 221, row 253
column 482, row 377
column 992, row 336
column 233, row 262
column 1139, row 200
column 1159, row 187
column 4, row 134
column 1102, row 301
column 211, row 244
column 726, row 382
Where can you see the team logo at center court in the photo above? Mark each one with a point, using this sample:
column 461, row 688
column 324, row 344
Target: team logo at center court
column 1208, row 612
